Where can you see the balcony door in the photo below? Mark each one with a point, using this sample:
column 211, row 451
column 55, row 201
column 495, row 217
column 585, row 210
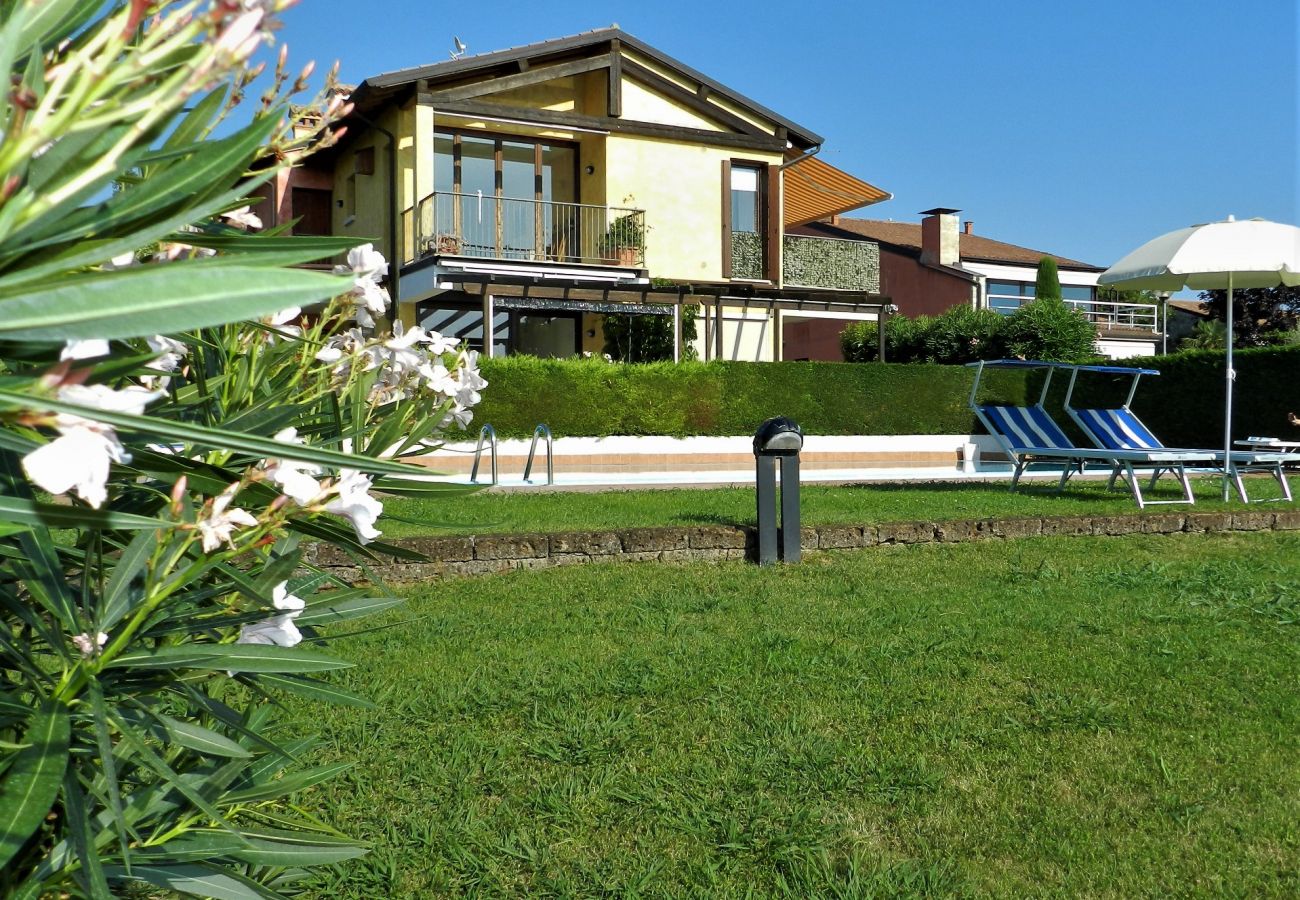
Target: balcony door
column 505, row 197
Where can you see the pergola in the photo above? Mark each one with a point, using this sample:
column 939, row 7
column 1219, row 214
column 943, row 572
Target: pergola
column 508, row 292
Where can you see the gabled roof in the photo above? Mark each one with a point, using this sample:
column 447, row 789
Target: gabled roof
column 378, row 89
column 905, row 237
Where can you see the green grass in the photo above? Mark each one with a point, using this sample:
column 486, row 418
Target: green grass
column 1109, row 717
column 552, row 511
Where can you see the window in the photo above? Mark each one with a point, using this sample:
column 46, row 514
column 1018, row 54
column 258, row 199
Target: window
column 746, row 252
column 746, row 214
column 1007, row 296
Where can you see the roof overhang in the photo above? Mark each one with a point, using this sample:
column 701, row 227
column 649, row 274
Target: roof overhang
column 814, row 189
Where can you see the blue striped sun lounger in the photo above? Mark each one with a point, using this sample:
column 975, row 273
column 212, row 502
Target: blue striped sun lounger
column 1028, row 436
column 1120, row 429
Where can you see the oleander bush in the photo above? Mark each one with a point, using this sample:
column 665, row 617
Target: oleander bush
column 179, row 408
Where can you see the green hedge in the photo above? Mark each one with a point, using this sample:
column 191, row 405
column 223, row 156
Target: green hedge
column 591, row 397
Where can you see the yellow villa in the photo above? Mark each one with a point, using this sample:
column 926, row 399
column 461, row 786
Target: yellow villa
column 541, row 188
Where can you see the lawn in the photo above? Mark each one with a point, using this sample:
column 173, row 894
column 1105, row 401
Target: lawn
column 1063, row 716
column 858, row 504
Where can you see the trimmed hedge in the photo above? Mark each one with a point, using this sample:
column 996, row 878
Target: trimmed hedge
column 591, row 397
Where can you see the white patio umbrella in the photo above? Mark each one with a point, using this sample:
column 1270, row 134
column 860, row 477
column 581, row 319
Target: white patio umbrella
column 1252, row 253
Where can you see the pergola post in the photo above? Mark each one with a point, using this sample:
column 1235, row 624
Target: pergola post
column 881, row 317
column 489, row 315
column 677, row 330
column 719, row 350
column 774, row 316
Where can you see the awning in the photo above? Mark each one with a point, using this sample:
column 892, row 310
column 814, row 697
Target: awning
column 817, row 190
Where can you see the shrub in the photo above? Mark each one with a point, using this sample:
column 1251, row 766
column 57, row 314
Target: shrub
column 904, row 340
column 964, row 334
column 1048, row 329
column 641, row 339
column 151, row 617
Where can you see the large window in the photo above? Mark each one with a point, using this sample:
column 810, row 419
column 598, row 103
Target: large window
column 504, row 197
column 1008, row 296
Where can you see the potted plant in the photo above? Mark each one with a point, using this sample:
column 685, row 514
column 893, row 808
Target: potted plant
column 624, row 240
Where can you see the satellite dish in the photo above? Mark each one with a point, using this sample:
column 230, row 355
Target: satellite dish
column 459, row 46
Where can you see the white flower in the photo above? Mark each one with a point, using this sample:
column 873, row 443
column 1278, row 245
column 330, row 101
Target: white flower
column 278, row 630
column 122, row 261
column 366, row 265
column 243, row 216
column 294, row 478
column 171, row 352
column 355, row 504
column 216, row 525
column 90, row 646
column 438, row 344
column 88, row 349
column 79, row 458
column 279, row 324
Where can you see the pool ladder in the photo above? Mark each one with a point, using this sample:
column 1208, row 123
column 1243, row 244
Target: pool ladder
column 489, row 434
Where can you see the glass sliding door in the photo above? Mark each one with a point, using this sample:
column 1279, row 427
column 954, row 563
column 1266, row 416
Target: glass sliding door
column 504, row 198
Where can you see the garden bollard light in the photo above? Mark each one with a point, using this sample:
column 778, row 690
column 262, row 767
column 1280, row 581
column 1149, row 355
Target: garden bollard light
column 778, row 438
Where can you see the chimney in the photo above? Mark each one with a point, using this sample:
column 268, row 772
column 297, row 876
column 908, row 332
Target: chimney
column 939, row 239
column 969, row 227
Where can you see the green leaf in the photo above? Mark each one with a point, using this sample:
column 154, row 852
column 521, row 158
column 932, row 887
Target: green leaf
column 232, row 657
column 199, row 880
column 275, row 847
column 117, row 600
column 196, row 737
column 80, row 837
column 323, row 611
column 314, row 689
column 287, row 785
column 157, row 299
column 29, row 512
column 32, row 782
column 211, row 437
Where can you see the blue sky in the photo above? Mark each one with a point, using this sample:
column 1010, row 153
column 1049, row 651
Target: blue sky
column 1083, row 129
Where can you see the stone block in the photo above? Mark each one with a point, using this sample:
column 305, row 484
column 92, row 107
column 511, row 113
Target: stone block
column 1116, row 525
column 449, row 549
column 1287, row 520
column 1252, row 521
column 839, row 537
column 1163, row 523
column 1067, row 525
column 717, row 537
column 808, row 539
column 1208, row 522
column 906, row 532
column 589, row 543
column 1017, row 528
column 963, row 530
column 655, row 540
column 511, row 546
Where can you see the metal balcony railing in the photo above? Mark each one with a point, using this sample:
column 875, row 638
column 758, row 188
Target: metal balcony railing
column 450, row 223
column 1103, row 314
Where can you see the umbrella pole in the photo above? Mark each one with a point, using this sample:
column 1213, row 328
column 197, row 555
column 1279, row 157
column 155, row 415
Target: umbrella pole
column 1227, row 409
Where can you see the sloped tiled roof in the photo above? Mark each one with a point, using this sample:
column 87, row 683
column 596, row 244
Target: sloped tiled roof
column 906, row 237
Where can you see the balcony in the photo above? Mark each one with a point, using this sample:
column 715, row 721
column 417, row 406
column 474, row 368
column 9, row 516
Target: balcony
column 1105, row 315
column 508, row 229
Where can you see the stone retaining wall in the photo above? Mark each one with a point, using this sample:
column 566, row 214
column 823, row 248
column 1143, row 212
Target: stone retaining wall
column 485, row 554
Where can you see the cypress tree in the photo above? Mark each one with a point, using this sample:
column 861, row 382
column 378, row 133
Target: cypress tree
column 1049, row 282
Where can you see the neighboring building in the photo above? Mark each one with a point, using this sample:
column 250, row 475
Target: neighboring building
column 541, row 187
column 929, row 266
